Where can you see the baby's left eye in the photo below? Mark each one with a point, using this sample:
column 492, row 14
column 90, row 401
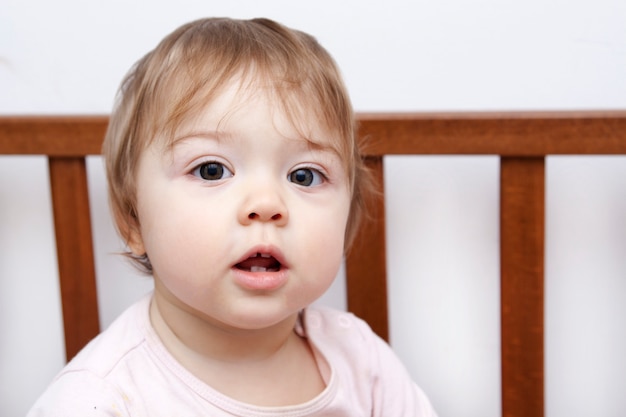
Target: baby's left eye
column 306, row 177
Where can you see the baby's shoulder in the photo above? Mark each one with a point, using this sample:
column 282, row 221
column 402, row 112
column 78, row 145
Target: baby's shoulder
column 76, row 393
column 91, row 380
column 107, row 350
column 351, row 348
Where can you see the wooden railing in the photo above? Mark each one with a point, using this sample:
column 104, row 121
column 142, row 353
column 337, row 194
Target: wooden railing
column 521, row 140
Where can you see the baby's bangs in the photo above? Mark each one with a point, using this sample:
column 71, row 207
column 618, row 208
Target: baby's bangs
column 201, row 58
column 196, row 74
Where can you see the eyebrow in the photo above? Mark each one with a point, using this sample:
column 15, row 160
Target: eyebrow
column 203, row 134
column 221, row 135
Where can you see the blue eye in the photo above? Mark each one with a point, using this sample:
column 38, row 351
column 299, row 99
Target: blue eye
column 306, row 177
column 212, row 171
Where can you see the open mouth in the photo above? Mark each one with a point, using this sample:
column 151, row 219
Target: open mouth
column 261, row 262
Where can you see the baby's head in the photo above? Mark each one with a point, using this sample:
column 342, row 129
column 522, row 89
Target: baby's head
column 187, row 70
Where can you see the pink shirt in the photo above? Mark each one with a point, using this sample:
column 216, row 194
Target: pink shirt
column 127, row 371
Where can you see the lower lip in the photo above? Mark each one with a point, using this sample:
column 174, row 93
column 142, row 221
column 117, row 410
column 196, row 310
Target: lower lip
column 260, row 281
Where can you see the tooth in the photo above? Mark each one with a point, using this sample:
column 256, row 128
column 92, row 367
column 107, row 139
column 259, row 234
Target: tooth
column 265, row 255
column 258, row 269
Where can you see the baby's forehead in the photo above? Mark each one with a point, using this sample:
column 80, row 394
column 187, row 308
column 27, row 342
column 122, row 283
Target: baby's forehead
column 241, row 106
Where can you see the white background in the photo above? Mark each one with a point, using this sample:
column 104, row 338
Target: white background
column 68, row 57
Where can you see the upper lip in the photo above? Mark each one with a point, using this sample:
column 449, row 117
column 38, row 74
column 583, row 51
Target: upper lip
column 264, row 250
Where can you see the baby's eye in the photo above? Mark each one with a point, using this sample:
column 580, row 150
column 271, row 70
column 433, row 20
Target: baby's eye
column 212, row 171
column 306, row 177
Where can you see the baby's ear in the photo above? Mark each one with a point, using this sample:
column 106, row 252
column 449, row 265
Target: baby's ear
column 134, row 240
column 135, row 244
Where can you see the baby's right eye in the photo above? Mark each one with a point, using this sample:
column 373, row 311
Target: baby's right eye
column 212, row 171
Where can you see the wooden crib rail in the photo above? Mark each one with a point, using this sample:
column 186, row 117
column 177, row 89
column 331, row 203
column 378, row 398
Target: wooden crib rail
column 521, row 140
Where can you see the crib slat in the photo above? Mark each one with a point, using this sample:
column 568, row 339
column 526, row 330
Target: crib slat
column 68, row 183
column 366, row 264
column 522, row 285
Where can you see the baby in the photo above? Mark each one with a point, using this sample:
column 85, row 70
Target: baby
column 236, row 180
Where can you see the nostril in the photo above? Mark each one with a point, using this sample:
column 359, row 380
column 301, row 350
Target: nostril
column 256, row 216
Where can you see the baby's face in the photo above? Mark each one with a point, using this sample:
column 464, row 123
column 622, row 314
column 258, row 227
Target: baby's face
column 243, row 220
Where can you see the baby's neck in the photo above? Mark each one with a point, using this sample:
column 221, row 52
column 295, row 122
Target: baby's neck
column 269, row 367
column 184, row 332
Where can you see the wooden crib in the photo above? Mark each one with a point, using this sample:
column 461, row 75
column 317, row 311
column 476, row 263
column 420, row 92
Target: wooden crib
column 521, row 140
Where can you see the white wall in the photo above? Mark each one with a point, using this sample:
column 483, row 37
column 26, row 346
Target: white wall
column 68, row 56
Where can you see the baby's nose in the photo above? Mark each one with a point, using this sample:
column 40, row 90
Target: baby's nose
column 264, row 204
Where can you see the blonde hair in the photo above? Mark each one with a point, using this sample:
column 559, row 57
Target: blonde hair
column 186, row 71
